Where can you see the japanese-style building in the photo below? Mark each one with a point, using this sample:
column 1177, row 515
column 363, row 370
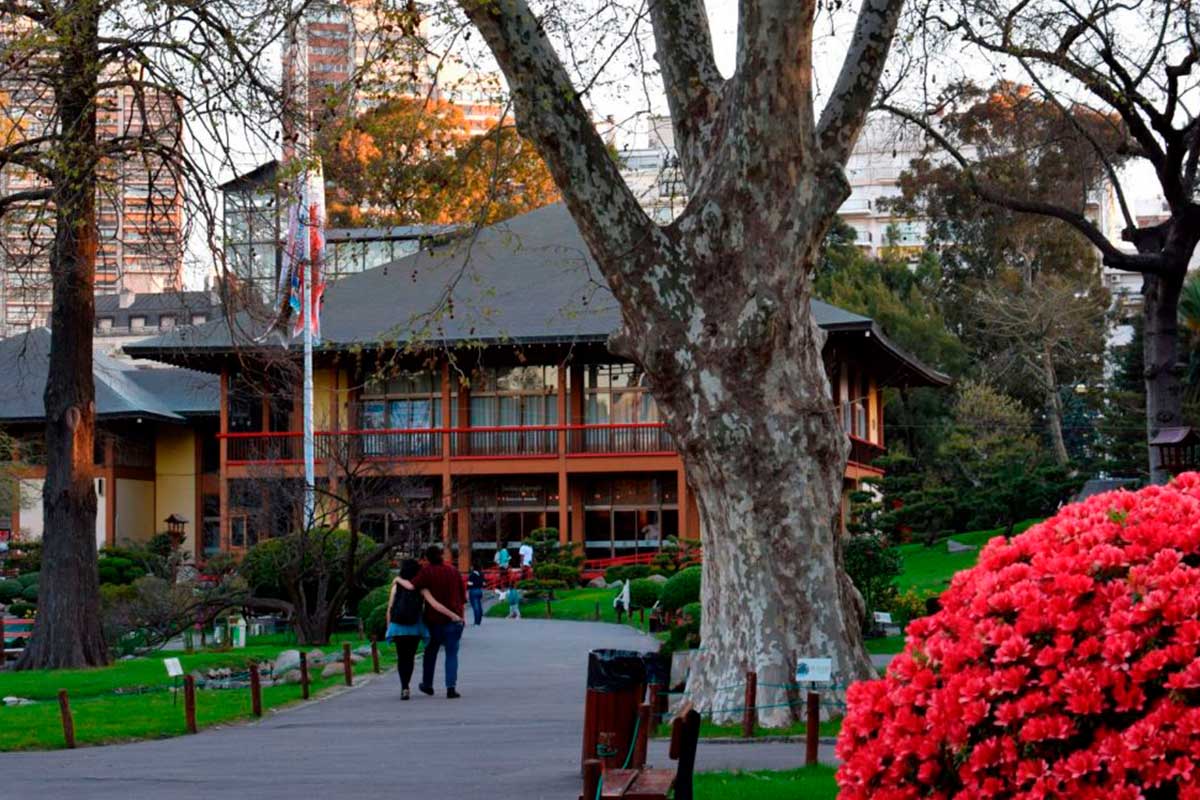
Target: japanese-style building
column 476, row 374
column 155, row 444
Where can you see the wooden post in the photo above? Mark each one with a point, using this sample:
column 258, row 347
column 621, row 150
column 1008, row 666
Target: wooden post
column 255, row 690
column 653, row 697
column 189, row 703
column 642, row 617
column 812, row 729
column 750, row 713
column 347, row 664
column 591, row 778
column 375, row 656
column 304, row 675
column 597, row 611
column 68, row 722
column 549, row 610
column 643, row 736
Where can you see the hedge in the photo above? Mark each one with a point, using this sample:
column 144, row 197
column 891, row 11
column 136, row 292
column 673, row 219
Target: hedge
column 681, row 589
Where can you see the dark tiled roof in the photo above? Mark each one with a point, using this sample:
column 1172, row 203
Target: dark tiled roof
column 526, row 280
column 152, row 307
column 122, row 389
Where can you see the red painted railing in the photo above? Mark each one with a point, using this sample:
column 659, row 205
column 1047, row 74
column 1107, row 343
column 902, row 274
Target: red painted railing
column 494, row 441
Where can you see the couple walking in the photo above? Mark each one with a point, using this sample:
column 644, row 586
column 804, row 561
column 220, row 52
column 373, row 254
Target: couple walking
column 426, row 603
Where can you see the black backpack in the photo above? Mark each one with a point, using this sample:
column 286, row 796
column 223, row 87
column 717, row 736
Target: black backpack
column 407, row 607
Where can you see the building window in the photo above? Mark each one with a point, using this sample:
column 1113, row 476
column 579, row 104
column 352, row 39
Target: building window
column 166, row 322
column 137, row 323
column 105, row 323
column 199, row 319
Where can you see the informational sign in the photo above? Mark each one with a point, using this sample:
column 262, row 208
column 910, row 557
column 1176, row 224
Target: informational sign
column 814, row 670
column 174, row 668
column 883, row 617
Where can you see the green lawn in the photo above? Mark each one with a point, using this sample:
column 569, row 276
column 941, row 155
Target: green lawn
column 571, row 604
column 710, row 730
column 103, row 716
column 927, row 568
column 885, row 645
column 809, row 783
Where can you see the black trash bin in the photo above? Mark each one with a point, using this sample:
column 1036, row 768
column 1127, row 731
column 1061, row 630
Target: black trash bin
column 616, row 684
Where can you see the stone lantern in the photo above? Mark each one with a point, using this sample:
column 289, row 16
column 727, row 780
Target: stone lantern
column 176, row 529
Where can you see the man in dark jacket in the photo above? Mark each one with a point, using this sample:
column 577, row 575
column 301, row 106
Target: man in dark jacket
column 443, row 582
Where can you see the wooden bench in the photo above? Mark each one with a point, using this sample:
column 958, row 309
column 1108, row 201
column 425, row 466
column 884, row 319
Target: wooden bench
column 644, row 783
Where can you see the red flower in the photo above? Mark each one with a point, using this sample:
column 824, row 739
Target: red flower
column 1065, row 665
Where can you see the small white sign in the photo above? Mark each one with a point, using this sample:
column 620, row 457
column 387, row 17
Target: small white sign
column 814, row 670
column 174, row 668
column 883, row 617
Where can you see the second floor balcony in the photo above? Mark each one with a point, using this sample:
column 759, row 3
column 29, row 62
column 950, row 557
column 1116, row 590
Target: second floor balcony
column 431, row 444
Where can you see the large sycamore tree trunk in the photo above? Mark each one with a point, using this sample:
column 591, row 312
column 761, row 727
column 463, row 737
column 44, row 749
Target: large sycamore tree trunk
column 67, row 630
column 716, row 309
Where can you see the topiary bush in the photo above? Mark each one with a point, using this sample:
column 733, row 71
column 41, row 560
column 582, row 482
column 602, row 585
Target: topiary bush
column 376, row 597
column 644, row 593
column 682, row 588
column 375, row 622
column 30, row 593
column 1065, row 664
column 10, row 590
column 29, row 578
column 627, row 573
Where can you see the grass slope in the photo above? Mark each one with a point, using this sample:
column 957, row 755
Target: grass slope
column 931, row 568
column 809, row 783
column 147, row 710
column 710, row 730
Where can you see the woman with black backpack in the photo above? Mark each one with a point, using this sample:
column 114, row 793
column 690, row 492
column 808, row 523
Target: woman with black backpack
column 406, row 624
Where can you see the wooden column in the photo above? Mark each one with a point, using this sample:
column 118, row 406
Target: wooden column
column 577, row 516
column 564, row 506
column 464, row 532
column 446, row 422
column 223, row 448
column 110, row 492
column 684, row 500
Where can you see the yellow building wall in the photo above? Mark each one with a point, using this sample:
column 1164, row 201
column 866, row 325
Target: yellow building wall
column 175, row 479
column 874, row 413
column 135, row 511
column 329, row 390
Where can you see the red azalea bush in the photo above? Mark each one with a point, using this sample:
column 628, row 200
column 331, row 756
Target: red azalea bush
column 1066, row 664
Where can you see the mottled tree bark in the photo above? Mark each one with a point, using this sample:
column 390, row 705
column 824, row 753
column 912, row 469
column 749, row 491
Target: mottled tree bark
column 1164, row 372
column 716, row 308
column 67, row 630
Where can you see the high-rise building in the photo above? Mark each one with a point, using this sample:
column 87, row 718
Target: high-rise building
column 139, row 201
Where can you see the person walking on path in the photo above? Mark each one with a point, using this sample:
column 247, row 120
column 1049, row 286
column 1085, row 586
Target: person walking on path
column 475, row 593
column 502, row 558
column 406, row 626
column 439, row 582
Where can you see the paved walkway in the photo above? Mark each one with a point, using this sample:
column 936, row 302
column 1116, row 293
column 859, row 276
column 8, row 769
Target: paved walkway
column 516, row 733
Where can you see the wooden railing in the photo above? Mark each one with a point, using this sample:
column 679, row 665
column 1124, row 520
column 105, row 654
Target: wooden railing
column 498, row 441
column 863, row 452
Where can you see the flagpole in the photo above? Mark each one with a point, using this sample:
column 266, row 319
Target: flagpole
column 309, row 470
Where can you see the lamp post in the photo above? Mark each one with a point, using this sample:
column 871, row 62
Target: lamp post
column 176, row 529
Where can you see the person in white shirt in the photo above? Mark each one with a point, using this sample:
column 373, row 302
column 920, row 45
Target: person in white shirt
column 526, row 554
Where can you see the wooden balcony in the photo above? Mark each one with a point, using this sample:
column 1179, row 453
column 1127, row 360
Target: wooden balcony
column 429, row 444
column 863, row 452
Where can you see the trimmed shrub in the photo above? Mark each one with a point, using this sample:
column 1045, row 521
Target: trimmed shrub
column 10, row 590
column 644, row 593
column 21, row 609
column 1065, row 664
column 30, row 593
column 375, row 622
column 376, row 597
column 682, row 588
column 28, row 579
column 562, row 573
column 627, row 573
column 264, row 564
